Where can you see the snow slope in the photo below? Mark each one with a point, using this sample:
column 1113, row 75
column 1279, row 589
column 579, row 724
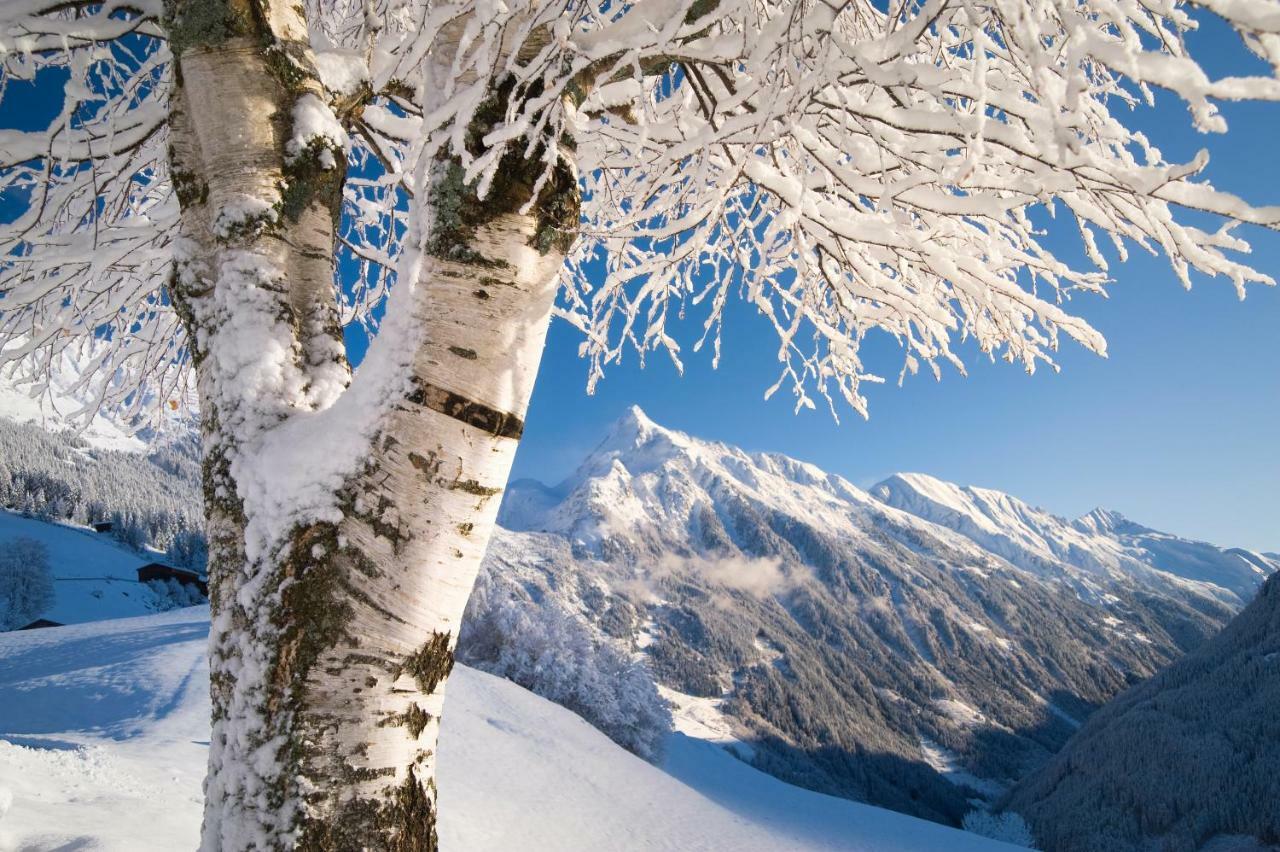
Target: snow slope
column 54, row 410
column 94, row 577
column 60, row 406
column 104, row 732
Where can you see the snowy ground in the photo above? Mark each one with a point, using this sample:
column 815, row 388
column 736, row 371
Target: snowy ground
column 93, row 576
column 104, row 732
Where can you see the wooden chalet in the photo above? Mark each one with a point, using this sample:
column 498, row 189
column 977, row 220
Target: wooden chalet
column 160, row 571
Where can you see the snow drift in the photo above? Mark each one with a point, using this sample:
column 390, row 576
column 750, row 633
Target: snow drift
column 104, row 734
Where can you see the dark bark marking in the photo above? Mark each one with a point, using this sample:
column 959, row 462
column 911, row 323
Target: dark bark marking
column 369, row 660
column 470, row 486
column 465, row 529
column 482, row 295
column 363, row 597
column 365, row 773
column 431, row 663
column 468, row 354
column 500, row 424
column 415, row 719
column 400, row 819
column 413, row 812
column 428, row 465
column 314, row 611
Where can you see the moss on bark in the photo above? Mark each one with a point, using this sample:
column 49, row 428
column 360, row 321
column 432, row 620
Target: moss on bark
column 402, row 820
column 194, row 24
column 459, row 211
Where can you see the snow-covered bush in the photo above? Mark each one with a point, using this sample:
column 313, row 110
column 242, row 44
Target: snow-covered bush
column 554, row 653
column 170, row 594
column 1008, row 827
column 26, row 583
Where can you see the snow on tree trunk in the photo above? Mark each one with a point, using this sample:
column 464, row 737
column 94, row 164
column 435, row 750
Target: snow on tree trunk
column 333, row 637
column 378, row 598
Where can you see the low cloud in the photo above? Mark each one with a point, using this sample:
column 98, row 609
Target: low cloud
column 760, row 577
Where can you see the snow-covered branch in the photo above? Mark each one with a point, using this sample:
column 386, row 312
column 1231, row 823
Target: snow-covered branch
column 841, row 167
column 86, row 247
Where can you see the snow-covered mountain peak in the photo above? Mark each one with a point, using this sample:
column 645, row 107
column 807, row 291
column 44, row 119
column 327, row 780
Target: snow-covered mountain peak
column 1100, row 545
column 637, row 442
column 747, row 577
column 635, row 429
column 1101, row 521
column 635, row 420
column 644, row 484
column 649, row 489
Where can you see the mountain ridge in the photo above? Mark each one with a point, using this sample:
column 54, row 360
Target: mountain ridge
column 833, row 639
column 850, row 644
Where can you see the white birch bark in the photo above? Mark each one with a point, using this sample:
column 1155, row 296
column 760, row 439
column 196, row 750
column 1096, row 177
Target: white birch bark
column 360, row 621
column 409, row 548
column 331, row 648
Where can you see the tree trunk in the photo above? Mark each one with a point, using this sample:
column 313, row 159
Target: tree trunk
column 330, row 650
column 378, row 619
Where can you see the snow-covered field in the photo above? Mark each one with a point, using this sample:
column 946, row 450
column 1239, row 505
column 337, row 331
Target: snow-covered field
column 104, row 731
column 93, row 576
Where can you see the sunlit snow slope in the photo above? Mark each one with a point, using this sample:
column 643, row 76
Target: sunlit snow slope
column 93, row 576
column 52, row 411
column 60, row 406
column 104, row 730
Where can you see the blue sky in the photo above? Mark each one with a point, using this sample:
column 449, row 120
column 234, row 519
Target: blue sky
column 1179, row 428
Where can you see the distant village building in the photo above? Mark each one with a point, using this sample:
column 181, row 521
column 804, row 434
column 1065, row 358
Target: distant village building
column 41, row 622
column 103, row 526
column 159, row 571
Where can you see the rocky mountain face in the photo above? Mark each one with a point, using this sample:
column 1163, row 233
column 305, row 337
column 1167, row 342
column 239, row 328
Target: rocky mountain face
column 916, row 647
column 1188, row 760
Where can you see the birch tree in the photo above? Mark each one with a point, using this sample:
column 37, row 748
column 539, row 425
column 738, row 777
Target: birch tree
column 225, row 185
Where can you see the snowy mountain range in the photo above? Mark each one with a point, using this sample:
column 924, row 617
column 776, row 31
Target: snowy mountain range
column 918, row 646
column 1089, row 552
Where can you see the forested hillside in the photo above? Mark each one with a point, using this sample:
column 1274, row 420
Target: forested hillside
column 825, row 636
column 1190, row 757
column 151, row 498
